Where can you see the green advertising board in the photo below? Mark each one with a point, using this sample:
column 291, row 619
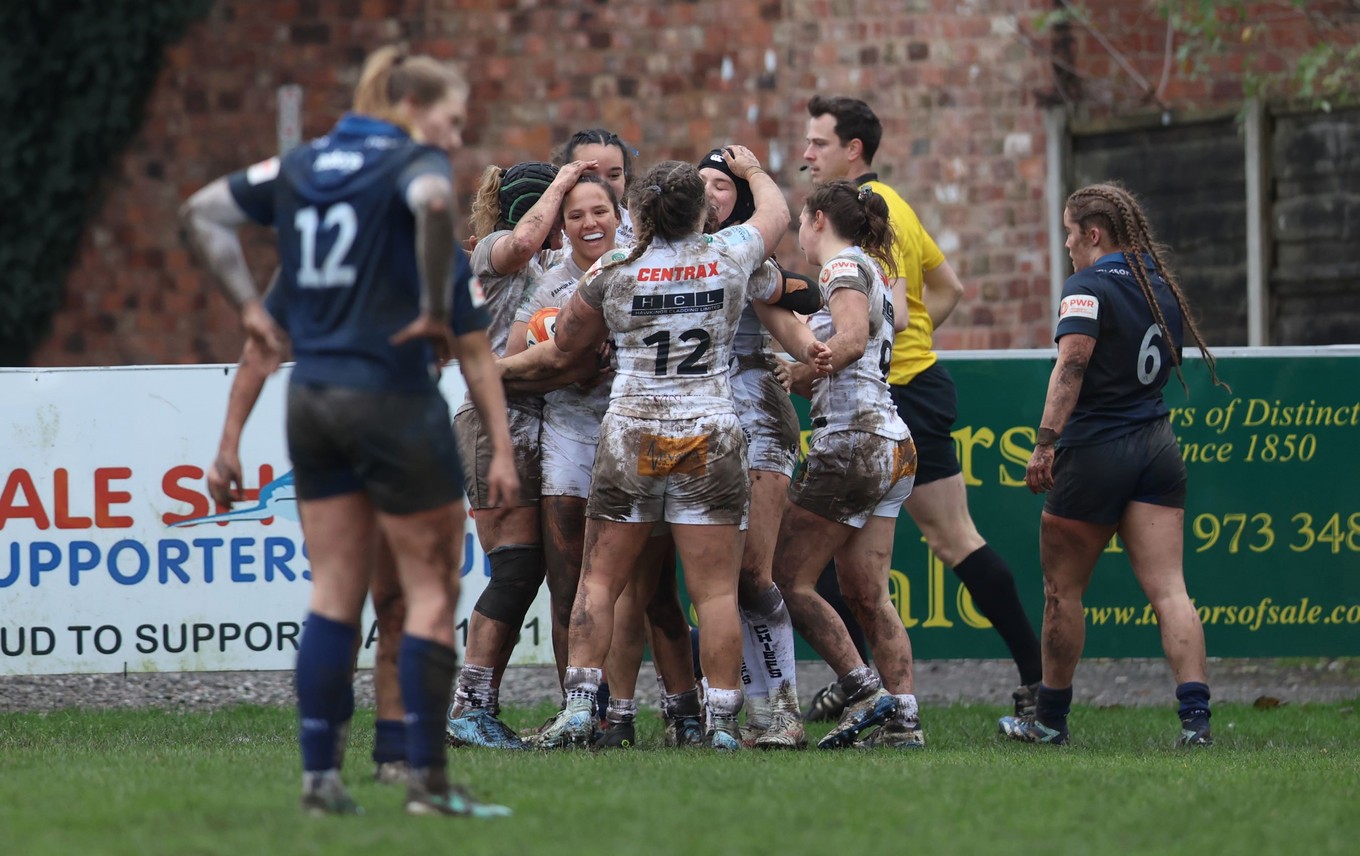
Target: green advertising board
column 1272, row 522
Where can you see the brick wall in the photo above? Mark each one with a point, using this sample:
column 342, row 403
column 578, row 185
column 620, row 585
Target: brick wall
column 134, row 295
column 1129, row 70
column 959, row 84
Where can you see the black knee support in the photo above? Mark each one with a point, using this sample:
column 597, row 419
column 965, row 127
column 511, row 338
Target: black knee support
column 516, row 574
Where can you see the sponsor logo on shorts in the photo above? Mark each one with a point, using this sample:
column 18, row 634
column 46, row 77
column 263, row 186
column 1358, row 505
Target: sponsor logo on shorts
column 663, row 456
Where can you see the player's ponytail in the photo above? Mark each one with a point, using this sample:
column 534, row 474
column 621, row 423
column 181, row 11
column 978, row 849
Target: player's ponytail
column 390, row 76
column 486, row 203
column 860, row 216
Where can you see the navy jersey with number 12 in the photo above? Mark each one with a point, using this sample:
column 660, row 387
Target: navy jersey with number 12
column 1131, row 362
column 347, row 259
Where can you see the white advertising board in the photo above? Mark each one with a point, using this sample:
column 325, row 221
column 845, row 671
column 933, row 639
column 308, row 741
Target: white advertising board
column 112, row 556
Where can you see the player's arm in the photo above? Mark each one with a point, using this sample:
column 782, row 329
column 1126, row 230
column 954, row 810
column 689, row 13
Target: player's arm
column 430, row 198
column 942, row 292
column 254, row 368
column 210, row 219
column 850, row 316
column 1064, row 386
column 798, row 293
column 571, row 354
column 795, row 336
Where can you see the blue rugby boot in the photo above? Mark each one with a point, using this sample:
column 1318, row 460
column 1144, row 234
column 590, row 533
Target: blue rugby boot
column 1028, row 729
column 574, row 726
column 858, row 717
column 429, row 793
column 477, row 726
column 725, row 736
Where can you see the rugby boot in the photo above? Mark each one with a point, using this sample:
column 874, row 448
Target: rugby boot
column 827, row 703
column 1026, row 698
column 478, row 726
column 785, row 730
column 391, row 772
column 725, row 734
column 757, row 720
column 895, row 735
column 616, row 735
column 1029, row 729
column 1195, row 732
column 573, row 726
column 684, row 731
column 428, row 792
column 324, row 794
column 874, row 709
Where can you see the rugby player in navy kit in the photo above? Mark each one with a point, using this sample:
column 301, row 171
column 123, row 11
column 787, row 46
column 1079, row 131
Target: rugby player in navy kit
column 1107, row 457
column 365, row 222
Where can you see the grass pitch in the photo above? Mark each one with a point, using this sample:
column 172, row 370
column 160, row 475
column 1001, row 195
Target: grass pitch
column 153, row 782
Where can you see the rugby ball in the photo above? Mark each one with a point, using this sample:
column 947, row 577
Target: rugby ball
column 542, row 325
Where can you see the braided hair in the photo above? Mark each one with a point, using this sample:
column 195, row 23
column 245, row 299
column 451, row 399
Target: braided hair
column 858, row 215
column 665, row 202
column 1114, row 209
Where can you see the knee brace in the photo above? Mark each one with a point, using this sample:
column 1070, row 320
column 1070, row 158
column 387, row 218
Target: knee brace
column 516, row 574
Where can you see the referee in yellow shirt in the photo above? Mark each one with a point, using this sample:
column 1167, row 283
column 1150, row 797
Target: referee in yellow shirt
column 842, row 137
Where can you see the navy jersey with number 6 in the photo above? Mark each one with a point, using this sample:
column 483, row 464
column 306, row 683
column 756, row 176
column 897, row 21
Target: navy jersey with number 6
column 347, row 258
column 1131, row 361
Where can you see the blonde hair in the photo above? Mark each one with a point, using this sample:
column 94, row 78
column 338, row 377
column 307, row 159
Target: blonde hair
column 390, row 76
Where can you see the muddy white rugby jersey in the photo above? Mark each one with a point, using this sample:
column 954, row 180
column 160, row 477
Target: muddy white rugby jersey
column 504, row 292
column 673, row 313
column 752, row 339
column 857, row 397
column 572, row 410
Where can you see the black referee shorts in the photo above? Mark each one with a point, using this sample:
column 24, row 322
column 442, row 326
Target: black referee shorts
column 929, row 405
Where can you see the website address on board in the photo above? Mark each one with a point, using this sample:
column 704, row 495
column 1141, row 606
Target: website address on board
column 1264, row 613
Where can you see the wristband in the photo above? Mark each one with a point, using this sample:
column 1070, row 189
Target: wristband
column 1046, row 437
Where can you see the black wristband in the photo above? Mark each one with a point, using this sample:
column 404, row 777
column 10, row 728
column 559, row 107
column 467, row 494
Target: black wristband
column 1046, row 437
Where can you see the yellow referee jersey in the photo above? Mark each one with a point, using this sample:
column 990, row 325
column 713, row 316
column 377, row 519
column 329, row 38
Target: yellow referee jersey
column 915, row 253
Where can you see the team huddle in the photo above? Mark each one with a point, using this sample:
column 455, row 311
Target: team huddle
column 626, row 409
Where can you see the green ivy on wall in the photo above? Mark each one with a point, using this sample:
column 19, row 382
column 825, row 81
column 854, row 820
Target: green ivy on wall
column 74, row 79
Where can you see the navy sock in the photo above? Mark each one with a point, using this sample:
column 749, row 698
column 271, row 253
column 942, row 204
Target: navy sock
column 1194, row 699
column 324, row 681
column 1053, row 706
column 389, row 741
column 425, row 670
column 992, row 586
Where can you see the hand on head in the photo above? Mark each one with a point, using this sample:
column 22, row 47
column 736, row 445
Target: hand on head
column 742, row 161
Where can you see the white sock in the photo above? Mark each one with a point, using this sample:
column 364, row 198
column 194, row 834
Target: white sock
column 770, row 631
column 722, row 703
column 907, row 712
column 582, row 683
column 752, row 673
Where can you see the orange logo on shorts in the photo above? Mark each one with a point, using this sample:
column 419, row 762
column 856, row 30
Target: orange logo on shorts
column 681, row 456
column 904, row 460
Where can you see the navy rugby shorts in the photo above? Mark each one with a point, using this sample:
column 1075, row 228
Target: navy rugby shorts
column 397, row 447
column 1096, row 483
